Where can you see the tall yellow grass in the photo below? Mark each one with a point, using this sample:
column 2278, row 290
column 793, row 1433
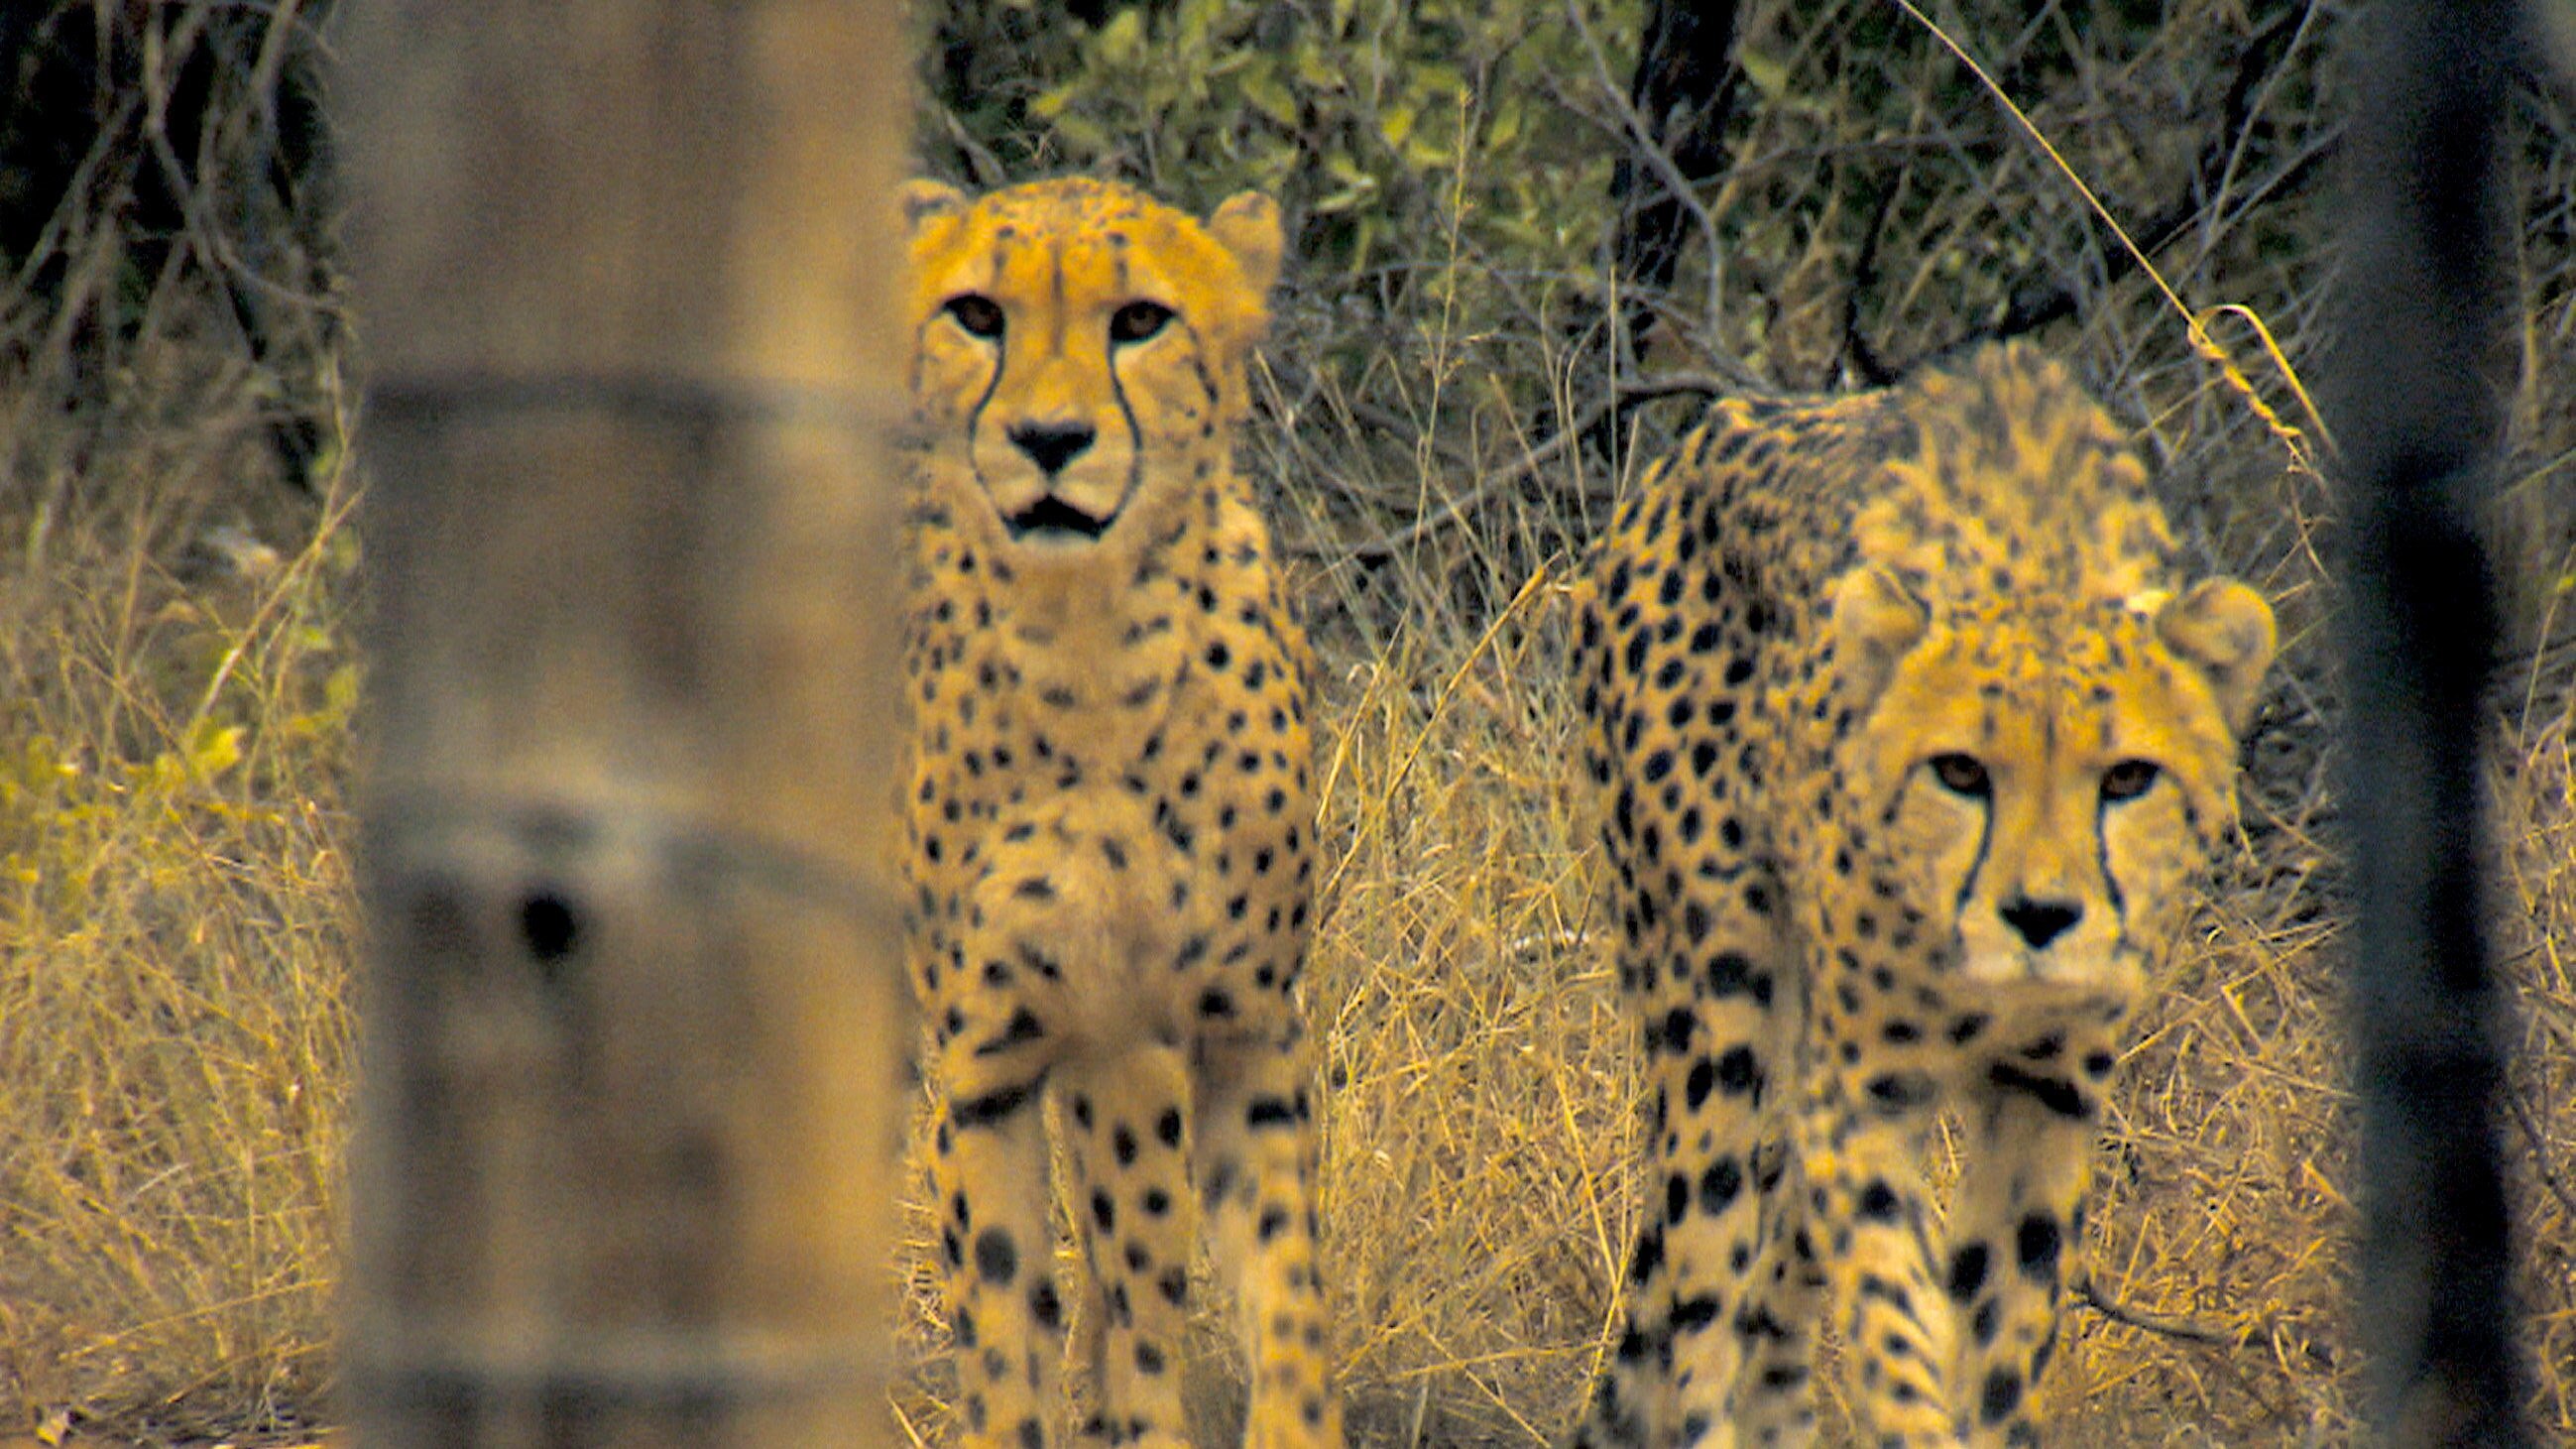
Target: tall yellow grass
column 173, row 1030
column 175, row 932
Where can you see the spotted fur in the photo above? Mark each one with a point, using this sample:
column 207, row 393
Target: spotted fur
column 1908, row 755
column 1111, row 824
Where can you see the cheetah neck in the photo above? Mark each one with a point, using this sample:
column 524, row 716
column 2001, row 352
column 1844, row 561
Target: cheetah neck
column 1100, row 640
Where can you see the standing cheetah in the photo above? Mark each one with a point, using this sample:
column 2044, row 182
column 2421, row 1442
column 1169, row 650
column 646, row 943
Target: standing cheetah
column 1908, row 757
column 1111, row 823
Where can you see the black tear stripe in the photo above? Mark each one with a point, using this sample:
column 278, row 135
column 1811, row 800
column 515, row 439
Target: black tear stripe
column 1977, row 866
column 1136, row 430
column 1001, row 363
column 975, row 414
column 2110, row 881
column 1135, row 434
column 920, row 337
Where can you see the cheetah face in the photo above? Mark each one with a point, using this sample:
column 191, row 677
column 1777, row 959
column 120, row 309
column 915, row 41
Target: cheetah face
column 2052, row 778
column 1078, row 350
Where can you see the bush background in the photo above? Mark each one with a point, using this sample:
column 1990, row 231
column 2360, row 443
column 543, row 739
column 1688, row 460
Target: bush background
column 1441, row 425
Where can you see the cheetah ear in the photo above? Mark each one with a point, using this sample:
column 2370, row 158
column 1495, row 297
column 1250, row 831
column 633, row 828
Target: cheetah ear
column 1875, row 622
column 1247, row 225
column 2225, row 630
column 920, row 199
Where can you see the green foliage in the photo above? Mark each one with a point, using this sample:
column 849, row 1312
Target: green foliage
column 1378, row 123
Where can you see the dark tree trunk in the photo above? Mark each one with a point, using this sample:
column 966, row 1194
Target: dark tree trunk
column 1683, row 92
column 2425, row 311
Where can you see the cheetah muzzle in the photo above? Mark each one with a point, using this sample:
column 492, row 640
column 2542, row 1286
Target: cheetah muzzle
column 1052, row 519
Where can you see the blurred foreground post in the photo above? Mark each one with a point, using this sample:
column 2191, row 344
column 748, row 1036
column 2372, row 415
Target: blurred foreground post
column 625, row 1162
column 2418, row 375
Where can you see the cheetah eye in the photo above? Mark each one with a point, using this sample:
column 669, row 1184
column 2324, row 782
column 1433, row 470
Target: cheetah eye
column 1137, row 321
column 1961, row 773
column 980, row 315
column 2129, row 779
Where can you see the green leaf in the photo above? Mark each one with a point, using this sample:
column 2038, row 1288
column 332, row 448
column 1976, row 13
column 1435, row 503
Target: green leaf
column 1432, row 78
column 1081, row 134
column 1768, row 75
column 1270, row 96
column 1318, row 72
column 1122, row 40
column 213, row 749
column 1051, row 103
column 1396, row 123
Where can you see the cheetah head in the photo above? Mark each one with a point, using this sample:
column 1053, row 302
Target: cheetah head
column 1078, row 351
column 2053, row 774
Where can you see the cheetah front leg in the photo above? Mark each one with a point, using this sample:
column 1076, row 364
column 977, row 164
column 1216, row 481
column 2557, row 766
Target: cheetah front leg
column 1126, row 1120
column 1257, row 1170
column 1776, row 1401
column 2015, row 1232
column 989, row 1169
column 1715, row 1124
column 1870, row 1215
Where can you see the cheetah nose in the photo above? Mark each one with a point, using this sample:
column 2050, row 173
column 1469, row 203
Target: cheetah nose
column 1052, row 445
column 2040, row 922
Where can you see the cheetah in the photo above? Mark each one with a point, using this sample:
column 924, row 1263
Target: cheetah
column 1110, row 819
column 1908, row 754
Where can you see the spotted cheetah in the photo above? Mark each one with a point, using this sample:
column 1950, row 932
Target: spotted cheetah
column 1908, row 755
column 1111, row 821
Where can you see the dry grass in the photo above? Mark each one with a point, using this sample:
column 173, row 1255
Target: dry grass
column 176, row 925
column 175, row 929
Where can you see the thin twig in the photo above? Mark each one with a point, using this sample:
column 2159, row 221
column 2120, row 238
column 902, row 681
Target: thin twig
column 2170, row 1327
column 2540, row 1153
column 2037, row 303
column 1864, row 358
column 1627, row 395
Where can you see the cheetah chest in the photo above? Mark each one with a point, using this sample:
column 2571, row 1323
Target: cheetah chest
column 1130, row 791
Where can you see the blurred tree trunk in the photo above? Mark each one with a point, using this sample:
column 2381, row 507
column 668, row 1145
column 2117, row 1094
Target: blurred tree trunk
column 2418, row 387
column 1683, row 93
column 633, row 1020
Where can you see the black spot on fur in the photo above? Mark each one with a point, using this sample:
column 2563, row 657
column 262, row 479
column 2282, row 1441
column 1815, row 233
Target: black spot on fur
column 2002, row 1395
column 2036, row 1243
column 1968, row 1272
column 997, row 1258
column 1719, row 1185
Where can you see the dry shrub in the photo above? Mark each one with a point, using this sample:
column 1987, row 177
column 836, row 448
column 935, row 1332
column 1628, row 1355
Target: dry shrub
column 175, row 929
column 175, row 688
column 1480, row 1132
